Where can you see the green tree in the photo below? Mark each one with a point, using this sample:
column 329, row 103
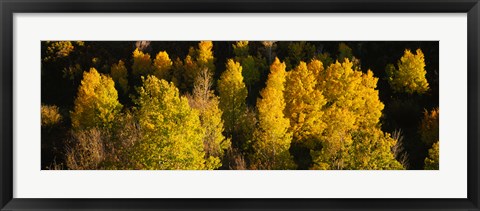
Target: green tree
column 299, row 51
column 97, row 103
column 178, row 73
column 272, row 139
column 204, row 100
column 162, row 66
column 250, row 71
column 240, row 49
column 190, row 72
column 344, row 52
column 409, row 75
column 172, row 131
column 371, row 149
column 142, row 64
column 232, row 93
column 432, row 161
column 325, row 58
column 119, row 74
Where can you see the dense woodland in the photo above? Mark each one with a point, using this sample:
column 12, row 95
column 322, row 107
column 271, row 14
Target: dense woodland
column 202, row 105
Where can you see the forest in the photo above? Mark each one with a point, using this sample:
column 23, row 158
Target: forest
column 239, row 105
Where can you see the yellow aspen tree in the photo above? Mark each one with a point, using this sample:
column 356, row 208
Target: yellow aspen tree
column 303, row 108
column 371, row 149
column 205, row 56
column 196, row 60
column 316, row 67
column 352, row 139
column 119, row 75
column 432, row 161
column 204, row 100
column 346, row 88
column 171, row 130
column 304, row 104
column 232, row 93
column 271, row 137
column 409, row 75
column 142, row 64
column 162, row 66
column 97, row 103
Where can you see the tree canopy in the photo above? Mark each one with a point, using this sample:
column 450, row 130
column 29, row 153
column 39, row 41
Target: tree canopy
column 272, row 138
column 409, row 75
column 256, row 105
column 172, row 132
column 232, row 93
column 97, row 103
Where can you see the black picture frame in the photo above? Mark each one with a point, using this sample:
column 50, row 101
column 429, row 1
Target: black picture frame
column 9, row 7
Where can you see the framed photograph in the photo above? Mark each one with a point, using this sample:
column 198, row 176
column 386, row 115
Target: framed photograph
column 252, row 105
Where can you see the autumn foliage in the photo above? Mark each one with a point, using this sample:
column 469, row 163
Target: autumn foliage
column 97, row 103
column 409, row 74
column 236, row 105
column 272, row 138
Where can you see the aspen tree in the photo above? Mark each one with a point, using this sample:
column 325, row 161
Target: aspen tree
column 272, row 138
column 171, row 130
column 119, row 75
column 432, row 161
column 162, row 66
column 97, row 103
column 232, row 93
column 409, row 75
column 205, row 101
column 352, row 139
column 142, row 64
